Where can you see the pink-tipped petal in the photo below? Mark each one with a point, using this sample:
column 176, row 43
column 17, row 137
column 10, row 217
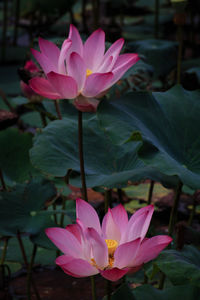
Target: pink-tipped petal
column 76, row 267
column 150, row 248
column 46, row 65
column 123, row 63
column 75, row 230
column 65, row 85
column 42, row 87
column 96, row 83
column 138, row 224
column 112, row 52
column 77, row 69
column 50, row 50
column 113, row 274
column 63, row 55
column 65, row 241
column 110, row 229
column 120, row 217
column 77, row 45
column 86, row 104
column 94, row 49
column 99, row 248
column 125, row 254
column 87, row 215
column 31, row 67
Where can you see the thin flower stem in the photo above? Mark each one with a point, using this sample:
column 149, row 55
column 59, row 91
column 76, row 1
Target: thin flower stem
column 55, row 215
column 4, row 30
column 156, row 20
column 21, row 245
column 174, row 210
column 109, row 289
column 29, row 273
column 192, row 213
column 43, row 119
column 172, row 221
column 5, row 100
column 58, row 109
column 63, row 214
column 95, row 7
column 150, row 192
column 180, row 50
column 108, row 198
column 80, row 142
column 17, row 13
column 94, row 294
column 3, row 256
column 120, row 195
column 2, row 181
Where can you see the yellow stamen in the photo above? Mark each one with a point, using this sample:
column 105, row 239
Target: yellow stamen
column 88, row 72
column 112, row 245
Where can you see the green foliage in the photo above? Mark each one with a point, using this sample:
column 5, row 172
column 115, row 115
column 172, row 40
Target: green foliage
column 169, row 123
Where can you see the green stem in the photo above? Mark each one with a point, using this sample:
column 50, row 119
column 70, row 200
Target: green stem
column 3, row 256
column 55, row 214
column 94, row 294
column 150, row 192
column 156, row 20
column 4, row 30
column 108, row 198
column 21, row 245
column 162, row 281
column 63, row 214
column 5, row 100
column 29, row 273
column 2, row 181
column 108, row 289
column 95, row 7
column 82, row 168
column 174, row 210
column 17, row 13
column 84, row 2
column 180, row 50
column 192, row 213
column 58, row 109
column 43, row 119
column 120, row 195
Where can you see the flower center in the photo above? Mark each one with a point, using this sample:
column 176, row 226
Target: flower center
column 112, row 245
column 88, row 72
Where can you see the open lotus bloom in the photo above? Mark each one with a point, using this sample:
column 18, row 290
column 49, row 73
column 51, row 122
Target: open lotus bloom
column 115, row 249
column 83, row 72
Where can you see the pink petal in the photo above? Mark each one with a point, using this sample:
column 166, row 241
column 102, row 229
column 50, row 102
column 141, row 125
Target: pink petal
column 112, row 52
column 110, row 229
column 94, row 49
column 134, row 269
column 120, row 217
column 63, row 55
column 150, row 248
column 65, row 241
column 87, row 215
column 99, row 248
column 65, row 85
column 86, row 104
column 30, row 66
column 75, row 230
column 125, row 254
column 77, row 45
column 77, row 69
column 76, row 267
column 85, row 241
column 96, row 83
column 43, row 87
column 50, row 50
column 106, row 65
column 138, row 224
column 123, row 63
column 45, row 63
column 113, row 274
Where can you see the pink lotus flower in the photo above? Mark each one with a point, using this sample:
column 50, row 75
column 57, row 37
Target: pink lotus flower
column 116, row 248
column 29, row 70
column 78, row 71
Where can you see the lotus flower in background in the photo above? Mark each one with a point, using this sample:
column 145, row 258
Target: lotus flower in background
column 113, row 250
column 83, row 72
column 30, row 70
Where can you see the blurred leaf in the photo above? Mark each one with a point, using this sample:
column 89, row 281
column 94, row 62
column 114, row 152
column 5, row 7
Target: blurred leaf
column 181, row 267
column 19, row 207
column 10, row 80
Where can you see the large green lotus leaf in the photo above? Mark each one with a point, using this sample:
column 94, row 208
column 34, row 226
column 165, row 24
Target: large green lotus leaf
column 14, row 155
column 170, row 124
column 55, row 151
column 157, row 52
column 20, row 205
column 181, row 267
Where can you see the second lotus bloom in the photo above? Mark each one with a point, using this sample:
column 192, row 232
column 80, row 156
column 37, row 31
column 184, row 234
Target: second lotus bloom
column 83, row 72
column 114, row 249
